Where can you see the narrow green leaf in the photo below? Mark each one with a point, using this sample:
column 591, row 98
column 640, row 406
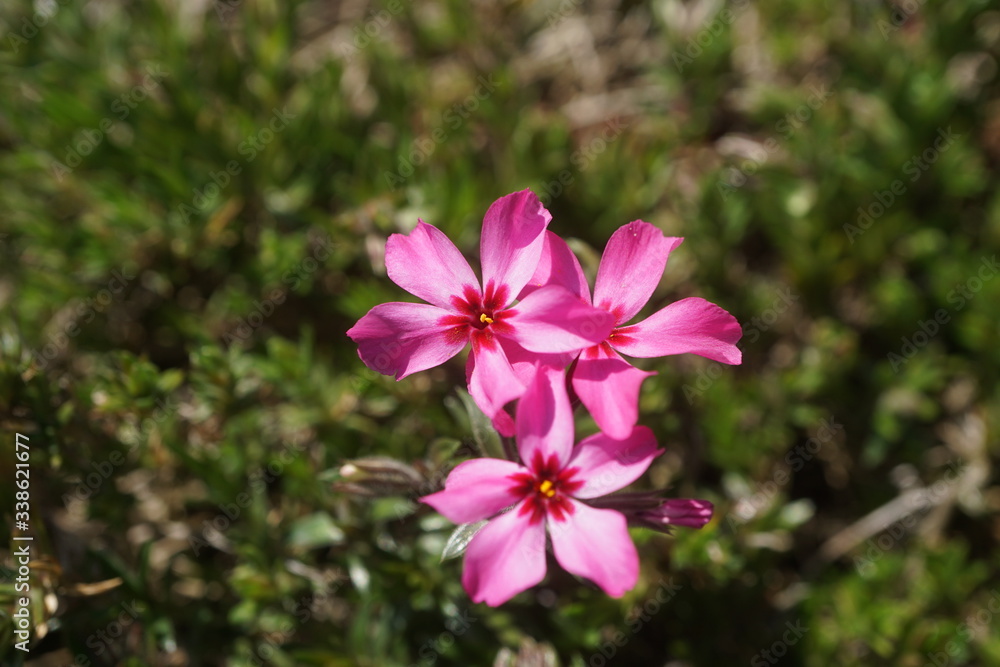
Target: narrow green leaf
column 460, row 538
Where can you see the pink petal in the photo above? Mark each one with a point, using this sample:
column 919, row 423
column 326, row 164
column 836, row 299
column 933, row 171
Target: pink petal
column 476, row 490
column 545, row 418
column 631, row 268
column 689, row 325
column 504, row 558
column 403, row 338
column 492, row 382
column 594, row 543
column 609, row 387
column 558, row 266
column 607, row 464
column 503, row 423
column 511, row 244
column 551, row 319
column 427, row 264
column 525, row 362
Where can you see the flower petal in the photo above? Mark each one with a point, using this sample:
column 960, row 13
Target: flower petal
column 607, row 465
column 492, row 382
column 503, row 423
column 558, row 266
column 689, row 325
column 512, row 240
column 594, row 543
column 631, row 268
column 476, row 490
column 525, row 363
column 545, row 418
column 609, row 387
column 504, row 558
column 551, row 319
column 427, row 264
column 403, row 338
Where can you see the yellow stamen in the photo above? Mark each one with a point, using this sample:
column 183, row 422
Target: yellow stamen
column 546, row 488
column 485, row 320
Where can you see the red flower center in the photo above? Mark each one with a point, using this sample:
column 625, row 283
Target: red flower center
column 546, row 489
column 479, row 312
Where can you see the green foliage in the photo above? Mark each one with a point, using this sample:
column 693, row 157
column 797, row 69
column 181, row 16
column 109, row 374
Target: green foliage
column 194, row 204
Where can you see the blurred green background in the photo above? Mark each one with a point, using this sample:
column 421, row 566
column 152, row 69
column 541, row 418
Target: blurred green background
column 195, row 198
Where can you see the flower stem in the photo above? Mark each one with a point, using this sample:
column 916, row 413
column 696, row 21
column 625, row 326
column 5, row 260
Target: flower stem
column 509, row 450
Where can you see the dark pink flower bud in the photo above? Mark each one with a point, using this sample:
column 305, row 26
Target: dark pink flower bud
column 678, row 512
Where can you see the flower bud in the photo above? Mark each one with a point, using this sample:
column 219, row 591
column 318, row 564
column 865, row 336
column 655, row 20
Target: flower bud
column 375, row 476
column 677, row 512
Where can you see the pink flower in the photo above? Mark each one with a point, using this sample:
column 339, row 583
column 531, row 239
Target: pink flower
column 630, row 270
column 403, row 338
column 508, row 555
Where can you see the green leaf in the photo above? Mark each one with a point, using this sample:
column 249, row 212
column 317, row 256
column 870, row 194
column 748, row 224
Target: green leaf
column 483, row 434
column 315, row 530
column 460, row 538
